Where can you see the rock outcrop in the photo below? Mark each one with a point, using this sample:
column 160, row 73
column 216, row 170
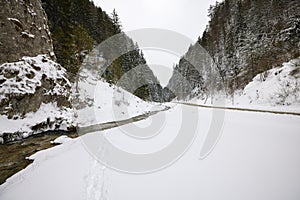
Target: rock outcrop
column 26, row 84
column 35, row 96
column 24, row 30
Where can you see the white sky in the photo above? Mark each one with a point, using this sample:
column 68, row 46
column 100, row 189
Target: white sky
column 187, row 17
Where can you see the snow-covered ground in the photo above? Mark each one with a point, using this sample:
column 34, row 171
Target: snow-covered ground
column 257, row 157
column 277, row 89
column 61, row 139
column 112, row 103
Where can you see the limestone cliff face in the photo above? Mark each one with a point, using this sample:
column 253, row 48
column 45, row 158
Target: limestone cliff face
column 24, row 30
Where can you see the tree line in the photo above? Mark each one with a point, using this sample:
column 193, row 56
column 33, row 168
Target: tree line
column 243, row 38
column 77, row 26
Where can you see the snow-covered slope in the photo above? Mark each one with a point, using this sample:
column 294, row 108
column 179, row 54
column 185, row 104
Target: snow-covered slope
column 277, row 89
column 278, row 86
column 112, row 103
column 257, row 157
column 97, row 101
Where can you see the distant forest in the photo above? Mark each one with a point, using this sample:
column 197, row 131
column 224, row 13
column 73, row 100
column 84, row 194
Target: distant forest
column 243, row 38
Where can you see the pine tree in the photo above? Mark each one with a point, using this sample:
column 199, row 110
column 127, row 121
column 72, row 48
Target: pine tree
column 116, row 22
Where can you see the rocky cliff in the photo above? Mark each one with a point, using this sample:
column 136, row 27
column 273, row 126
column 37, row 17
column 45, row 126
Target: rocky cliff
column 24, row 30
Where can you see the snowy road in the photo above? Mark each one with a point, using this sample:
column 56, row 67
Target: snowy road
column 257, row 157
column 243, row 109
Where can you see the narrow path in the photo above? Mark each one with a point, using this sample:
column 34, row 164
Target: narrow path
column 240, row 109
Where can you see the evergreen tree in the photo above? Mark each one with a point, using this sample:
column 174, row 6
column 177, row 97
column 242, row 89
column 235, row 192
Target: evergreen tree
column 78, row 25
column 244, row 38
column 116, row 21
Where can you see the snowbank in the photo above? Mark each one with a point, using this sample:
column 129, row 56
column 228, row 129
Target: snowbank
column 26, row 76
column 48, row 117
column 61, row 140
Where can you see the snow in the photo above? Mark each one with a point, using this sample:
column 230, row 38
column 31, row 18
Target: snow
column 254, row 156
column 61, row 140
column 100, row 102
column 24, row 77
column 96, row 101
column 276, row 89
column 31, row 10
column 257, row 157
column 112, row 103
column 38, row 67
column 47, row 112
column 15, row 20
column 27, row 34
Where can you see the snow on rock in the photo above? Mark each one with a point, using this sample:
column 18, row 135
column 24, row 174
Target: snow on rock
column 61, row 139
column 34, row 97
column 15, row 21
column 26, row 76
column 47, row 117
column 24, row 30
column 27, row 34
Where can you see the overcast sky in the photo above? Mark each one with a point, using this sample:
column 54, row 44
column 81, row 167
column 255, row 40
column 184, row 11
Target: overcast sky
column 187, row 17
